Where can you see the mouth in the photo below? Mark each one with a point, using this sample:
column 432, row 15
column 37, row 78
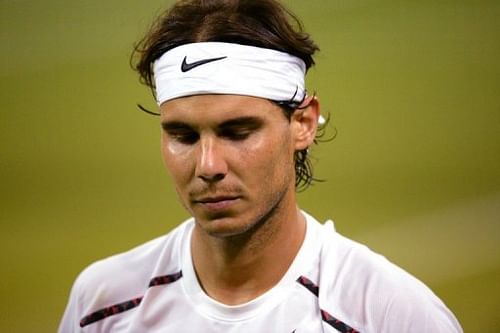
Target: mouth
column 216, row 203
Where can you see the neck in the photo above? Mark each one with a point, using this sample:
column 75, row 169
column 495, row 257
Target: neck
column 237, row 269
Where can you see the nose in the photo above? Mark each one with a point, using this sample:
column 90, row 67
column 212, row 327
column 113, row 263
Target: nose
column 211, row 165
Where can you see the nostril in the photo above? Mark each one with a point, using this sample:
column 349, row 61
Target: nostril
column 213, row 178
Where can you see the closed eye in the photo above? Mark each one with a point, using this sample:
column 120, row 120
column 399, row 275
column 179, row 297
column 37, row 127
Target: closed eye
column 235, row 135
column 180, row 132
column 239, row 129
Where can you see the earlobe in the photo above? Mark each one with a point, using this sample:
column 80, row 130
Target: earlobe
column 305, row 122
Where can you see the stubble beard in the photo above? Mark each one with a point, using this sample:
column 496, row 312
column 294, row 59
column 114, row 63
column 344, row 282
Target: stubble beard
column 261, row 228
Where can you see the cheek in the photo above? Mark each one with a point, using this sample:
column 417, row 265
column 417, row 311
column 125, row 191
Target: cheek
column 173, row 148
column 176, row 160
column 267, row 160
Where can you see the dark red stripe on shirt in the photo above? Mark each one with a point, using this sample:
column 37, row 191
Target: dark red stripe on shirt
column 328, row 318
column 337, row 324
column 127, row 305
column 309, row 285
column 165, row 279
column 110, row 311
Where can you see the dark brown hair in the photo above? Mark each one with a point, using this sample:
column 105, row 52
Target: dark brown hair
column 261, row 23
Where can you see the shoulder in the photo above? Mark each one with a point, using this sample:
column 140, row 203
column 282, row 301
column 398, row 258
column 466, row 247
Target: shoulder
column 374, row 293
column 130, row 269
column 126, row 276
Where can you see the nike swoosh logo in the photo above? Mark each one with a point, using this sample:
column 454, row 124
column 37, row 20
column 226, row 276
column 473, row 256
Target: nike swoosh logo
column 185, row 67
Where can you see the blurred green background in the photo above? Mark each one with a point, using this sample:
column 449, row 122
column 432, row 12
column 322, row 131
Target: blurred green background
column 413, row 89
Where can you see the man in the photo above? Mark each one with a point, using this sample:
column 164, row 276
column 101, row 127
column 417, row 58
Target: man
column 228, row 76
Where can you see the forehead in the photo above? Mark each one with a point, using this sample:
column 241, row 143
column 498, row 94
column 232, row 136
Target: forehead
column 212, row 108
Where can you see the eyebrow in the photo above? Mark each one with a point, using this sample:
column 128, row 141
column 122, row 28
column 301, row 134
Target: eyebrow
column 247, row 121
column 173, row 125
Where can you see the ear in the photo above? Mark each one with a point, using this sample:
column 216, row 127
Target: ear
column 304, row 123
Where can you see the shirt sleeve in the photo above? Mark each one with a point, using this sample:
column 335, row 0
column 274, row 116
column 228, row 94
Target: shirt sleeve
column 419, row 312
column 70, row 322
column 369, row 293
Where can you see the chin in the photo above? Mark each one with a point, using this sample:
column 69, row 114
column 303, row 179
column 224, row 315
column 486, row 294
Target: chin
column 222, row 227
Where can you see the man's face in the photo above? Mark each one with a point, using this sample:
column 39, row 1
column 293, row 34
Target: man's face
column 230, row 157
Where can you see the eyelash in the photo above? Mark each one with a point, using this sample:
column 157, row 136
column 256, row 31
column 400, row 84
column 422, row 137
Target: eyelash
column 191, row 137
column 236, row 135
column 184, row 137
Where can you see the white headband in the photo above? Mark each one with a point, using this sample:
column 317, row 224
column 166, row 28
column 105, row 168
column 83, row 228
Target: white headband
column 226, row 68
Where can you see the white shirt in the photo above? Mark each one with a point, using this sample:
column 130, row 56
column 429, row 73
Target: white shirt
column 333, row 285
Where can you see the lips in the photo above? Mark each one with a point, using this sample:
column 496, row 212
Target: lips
column 214, row 199
column 216, row 203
